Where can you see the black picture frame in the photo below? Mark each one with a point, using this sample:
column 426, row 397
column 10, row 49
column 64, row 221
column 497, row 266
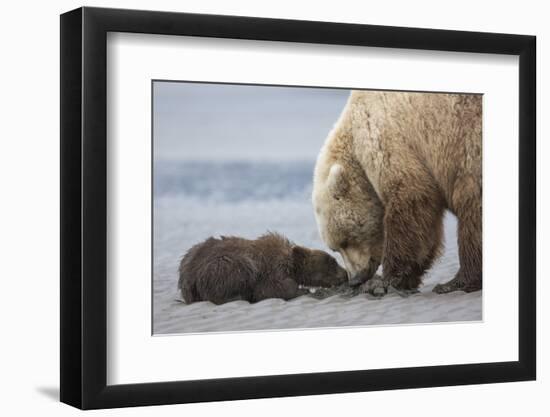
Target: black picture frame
column 84, row 207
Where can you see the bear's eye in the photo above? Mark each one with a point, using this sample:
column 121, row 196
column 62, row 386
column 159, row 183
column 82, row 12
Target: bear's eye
column 344, row 244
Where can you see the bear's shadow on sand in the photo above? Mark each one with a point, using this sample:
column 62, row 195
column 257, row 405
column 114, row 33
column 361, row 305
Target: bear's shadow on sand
column 347, row 291
column 344, row 291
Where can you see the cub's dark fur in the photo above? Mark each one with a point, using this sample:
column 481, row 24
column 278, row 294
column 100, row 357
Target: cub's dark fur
column 233, row 268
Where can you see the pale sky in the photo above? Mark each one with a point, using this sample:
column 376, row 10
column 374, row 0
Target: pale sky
column 242, row 122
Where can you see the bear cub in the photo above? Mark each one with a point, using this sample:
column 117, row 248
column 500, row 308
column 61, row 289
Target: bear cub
column 233, row 268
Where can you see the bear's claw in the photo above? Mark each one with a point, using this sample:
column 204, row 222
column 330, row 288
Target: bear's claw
column 404, row 293
column 445, row 288
column 375, row 286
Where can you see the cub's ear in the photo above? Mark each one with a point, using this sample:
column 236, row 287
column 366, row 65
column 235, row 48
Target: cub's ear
column 299, row 255
column 336, row 181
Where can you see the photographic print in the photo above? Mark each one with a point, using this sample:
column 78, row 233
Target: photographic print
column 278, row 207
column 307, row 191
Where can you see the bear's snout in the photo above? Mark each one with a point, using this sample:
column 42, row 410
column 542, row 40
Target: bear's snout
column 365, row 274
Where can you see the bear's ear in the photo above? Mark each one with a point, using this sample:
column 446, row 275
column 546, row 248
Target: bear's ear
column 336, row 181
column 299, row 255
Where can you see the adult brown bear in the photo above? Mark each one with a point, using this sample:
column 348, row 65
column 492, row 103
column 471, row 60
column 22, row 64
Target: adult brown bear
column 392, row 165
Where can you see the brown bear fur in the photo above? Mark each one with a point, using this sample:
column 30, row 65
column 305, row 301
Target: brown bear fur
column 392, row 165
column 233, row 268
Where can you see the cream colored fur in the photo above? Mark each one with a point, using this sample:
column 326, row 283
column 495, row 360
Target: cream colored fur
column 390, row 167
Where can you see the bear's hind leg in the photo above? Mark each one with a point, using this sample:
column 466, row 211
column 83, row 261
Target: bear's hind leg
column 469, row 276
